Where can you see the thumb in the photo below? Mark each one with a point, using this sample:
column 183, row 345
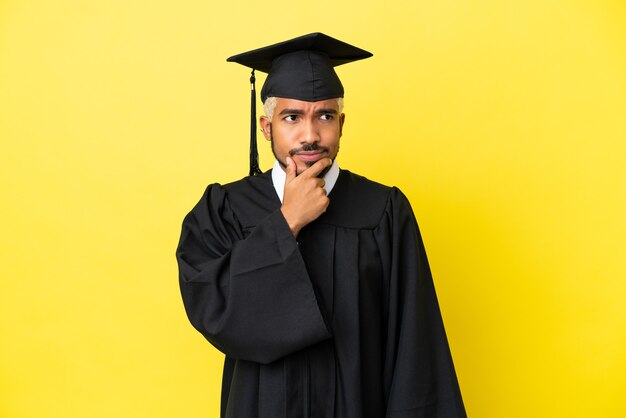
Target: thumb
column 290, row 171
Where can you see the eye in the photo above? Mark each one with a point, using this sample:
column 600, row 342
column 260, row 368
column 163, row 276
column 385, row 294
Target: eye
column 327, row 116
column 291, row 118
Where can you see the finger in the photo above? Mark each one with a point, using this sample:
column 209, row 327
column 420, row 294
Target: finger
column 290, row 171
column 326, row 204
column 317, row 168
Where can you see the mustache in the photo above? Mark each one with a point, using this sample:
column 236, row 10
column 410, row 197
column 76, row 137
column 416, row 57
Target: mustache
column 308, row 147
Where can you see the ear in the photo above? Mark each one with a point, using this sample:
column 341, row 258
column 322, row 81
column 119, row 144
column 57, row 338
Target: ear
column 266, row 127
column 342, row 119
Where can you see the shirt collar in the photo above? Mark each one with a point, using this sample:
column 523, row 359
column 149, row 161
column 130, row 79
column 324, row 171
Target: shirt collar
column 278, row 178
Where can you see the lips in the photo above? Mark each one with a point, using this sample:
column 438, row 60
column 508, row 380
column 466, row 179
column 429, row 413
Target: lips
column 309, row 155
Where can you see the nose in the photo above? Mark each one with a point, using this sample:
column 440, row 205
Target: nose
column 311, row 132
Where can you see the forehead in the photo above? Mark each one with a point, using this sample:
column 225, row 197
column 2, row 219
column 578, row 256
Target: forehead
column 282, row 103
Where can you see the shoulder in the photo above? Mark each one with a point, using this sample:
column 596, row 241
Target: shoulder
column 358, row 202
column 241, row 196
column 249, row 183
column 359, row 184
column 251, row 198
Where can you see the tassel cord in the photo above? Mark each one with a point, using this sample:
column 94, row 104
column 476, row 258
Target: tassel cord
column 254, row 153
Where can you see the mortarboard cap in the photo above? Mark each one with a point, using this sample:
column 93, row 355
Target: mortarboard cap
column 301, row 68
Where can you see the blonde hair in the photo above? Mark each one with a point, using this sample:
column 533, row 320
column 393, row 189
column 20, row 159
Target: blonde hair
column 270, row 105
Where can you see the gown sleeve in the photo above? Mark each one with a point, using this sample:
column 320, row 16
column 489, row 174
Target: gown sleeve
column 419, row 375
column 250, row 297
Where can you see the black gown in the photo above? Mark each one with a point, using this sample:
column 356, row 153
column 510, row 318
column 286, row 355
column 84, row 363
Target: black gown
column 342, row 322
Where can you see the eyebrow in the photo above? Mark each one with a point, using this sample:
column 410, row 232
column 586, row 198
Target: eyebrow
column 325, row 111
column 291, row 112
column 301, row 112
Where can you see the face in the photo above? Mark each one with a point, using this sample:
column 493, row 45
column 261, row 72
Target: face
column 304, row 131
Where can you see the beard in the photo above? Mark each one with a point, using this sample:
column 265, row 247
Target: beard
column 306, row 147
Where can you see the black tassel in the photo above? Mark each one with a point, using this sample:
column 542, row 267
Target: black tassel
column 254, row 153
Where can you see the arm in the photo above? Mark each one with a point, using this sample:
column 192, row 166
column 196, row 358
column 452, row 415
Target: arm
column 420, row 379
column 251, row 298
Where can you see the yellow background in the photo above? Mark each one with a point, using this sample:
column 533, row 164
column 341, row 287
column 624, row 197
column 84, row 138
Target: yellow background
column 503, row 121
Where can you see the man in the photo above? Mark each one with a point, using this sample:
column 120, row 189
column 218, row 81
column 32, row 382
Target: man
column 313, row 281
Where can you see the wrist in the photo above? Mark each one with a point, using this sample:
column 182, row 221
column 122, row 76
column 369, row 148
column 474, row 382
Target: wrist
column 294, row 226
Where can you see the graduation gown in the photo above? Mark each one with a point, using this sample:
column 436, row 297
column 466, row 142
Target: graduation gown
column 341, row 322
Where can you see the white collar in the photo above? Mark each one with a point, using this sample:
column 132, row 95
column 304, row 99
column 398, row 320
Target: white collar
column 278, row 178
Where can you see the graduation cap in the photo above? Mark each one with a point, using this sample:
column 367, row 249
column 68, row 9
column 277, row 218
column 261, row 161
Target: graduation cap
column 301, row 68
